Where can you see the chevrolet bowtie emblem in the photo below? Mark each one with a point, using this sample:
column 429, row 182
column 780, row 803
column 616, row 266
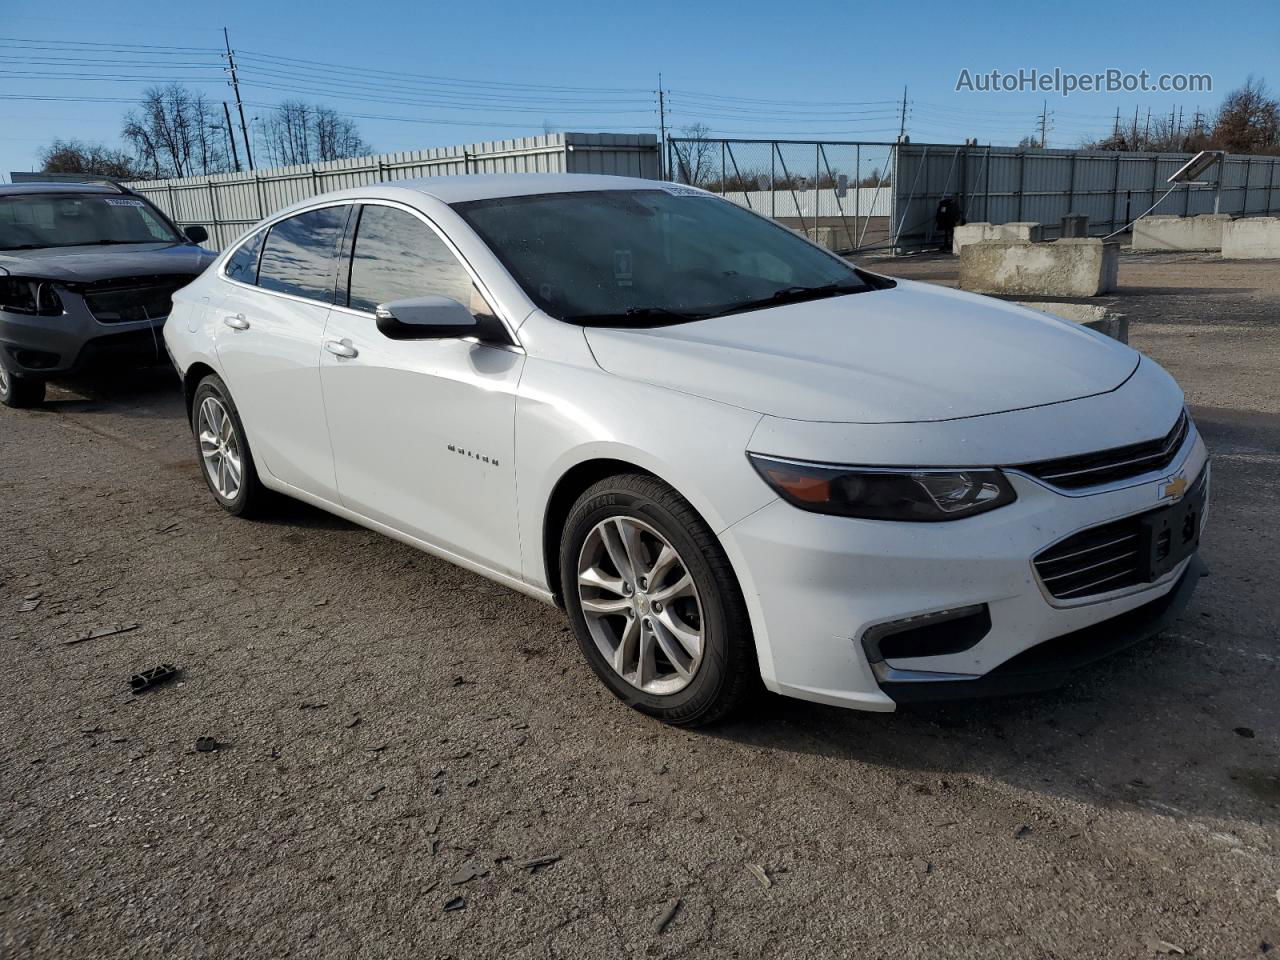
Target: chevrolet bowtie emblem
column 1174, row 488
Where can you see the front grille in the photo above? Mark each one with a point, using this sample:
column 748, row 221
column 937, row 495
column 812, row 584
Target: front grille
column 128, row 299
column 1100, row 559
column 1109, row 466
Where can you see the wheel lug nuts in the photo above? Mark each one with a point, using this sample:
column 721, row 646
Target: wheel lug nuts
column 657, row 607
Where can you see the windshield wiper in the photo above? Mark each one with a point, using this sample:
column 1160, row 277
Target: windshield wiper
column 636, row 317
column 796, row 295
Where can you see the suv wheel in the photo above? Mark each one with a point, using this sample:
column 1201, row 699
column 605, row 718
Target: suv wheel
column 225, row 459
column 654, row 603
column 19, row 392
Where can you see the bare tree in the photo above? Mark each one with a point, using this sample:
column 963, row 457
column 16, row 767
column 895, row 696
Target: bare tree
column 695, row 155
column 298, row 132
column 172, row 133
column 76, row 156
column 1248, row 120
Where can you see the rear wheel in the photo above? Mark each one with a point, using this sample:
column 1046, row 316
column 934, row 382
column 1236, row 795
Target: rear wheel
column 225, row 459
column 654, row 603
column 19, row 392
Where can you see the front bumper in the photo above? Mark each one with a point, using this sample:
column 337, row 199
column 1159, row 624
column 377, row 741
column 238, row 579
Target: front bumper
column 75, row 341
column 817, row 585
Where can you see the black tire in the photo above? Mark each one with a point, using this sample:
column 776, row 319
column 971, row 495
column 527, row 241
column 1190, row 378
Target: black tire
column 20, row 392
column 728, row 673
column 252, row 499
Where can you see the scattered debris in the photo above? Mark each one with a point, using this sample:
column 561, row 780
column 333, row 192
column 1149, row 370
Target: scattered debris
column 150, row 678
column 457, row 756
column 1163, row 946
column 538, row 863
column 33, row 596
column 1246, row 732
column 98, row 633
column 462, row 682
column 457, row 903
column 923, row 866
column 167, row 527
column 376, row 748
column 28, row 605
column 469, row 871
column 1021, row 832
column 207, row 744
column 373, row 794
column 668, row 914
column 760, row 874
column 312, row 706
column 354, row 721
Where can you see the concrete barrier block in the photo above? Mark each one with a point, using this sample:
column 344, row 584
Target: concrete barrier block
column 1113, row 325
column 1019, row 230
column 1083, row 267
column 1252, row 238
column 1180, row 233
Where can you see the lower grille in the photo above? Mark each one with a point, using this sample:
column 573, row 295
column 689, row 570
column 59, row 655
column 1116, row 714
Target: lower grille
column 129, row 299
column 1101, row 559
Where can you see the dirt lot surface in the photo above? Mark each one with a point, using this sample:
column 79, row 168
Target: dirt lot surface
column 401, row 736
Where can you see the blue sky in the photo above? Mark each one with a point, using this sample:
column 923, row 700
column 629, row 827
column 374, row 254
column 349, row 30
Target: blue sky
column 840, row 67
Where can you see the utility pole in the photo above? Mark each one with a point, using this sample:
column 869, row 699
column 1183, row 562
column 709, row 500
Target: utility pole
column 902, row 126
column 1146, row 137
column 1044, row 124
column 662, row 130
column 231, row 137
column 1115, row 132
column 235, row 84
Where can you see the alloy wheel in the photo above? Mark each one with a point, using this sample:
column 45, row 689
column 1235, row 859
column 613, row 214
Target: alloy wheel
column 4, row 379
column 640, row 605
column 219, row 448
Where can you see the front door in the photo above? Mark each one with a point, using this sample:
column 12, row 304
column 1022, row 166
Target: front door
column 422, row 431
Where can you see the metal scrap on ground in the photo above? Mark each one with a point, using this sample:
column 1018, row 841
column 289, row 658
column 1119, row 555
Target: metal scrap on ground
column 98, row 633
column 150, row 678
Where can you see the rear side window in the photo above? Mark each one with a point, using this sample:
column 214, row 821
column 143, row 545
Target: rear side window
column 299, row 254
column 397, row 256
column 243, row 264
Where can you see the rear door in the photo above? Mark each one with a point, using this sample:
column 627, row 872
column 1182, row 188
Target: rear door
column 423, row 431
column 268, row 331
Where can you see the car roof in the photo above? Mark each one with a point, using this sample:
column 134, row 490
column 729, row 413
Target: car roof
column 463, row 187
column 69, row 186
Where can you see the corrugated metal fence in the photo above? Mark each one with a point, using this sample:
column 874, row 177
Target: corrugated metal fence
column 1006, row 184
column 227, row 203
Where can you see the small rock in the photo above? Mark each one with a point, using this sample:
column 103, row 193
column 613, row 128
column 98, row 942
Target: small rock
column 1246, row 732
column 353, row 722
column 467, row 872
column 923, row 866
column 1163, row 946
column 373, row 794
column 1021, row 832
column 207, row 744
column 668, row 914
column 457, row 903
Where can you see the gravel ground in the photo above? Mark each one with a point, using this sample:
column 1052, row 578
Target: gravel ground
column 399, row 736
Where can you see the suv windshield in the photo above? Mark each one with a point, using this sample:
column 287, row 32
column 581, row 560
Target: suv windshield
column 652, row 257
column 35, row 220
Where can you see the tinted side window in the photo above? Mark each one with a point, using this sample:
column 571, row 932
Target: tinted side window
column 299, row 254
column 397, row 256
column 243, row 264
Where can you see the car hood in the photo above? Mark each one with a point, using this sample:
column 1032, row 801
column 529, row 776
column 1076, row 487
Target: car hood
column 911, row 353
column 104, row 262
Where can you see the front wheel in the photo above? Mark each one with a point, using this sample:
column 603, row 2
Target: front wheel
column 19, row 392
column 654, row 602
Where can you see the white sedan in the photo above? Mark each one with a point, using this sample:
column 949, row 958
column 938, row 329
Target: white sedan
column 734, row 458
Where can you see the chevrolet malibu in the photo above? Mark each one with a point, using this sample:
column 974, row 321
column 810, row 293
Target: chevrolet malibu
column 735, row 459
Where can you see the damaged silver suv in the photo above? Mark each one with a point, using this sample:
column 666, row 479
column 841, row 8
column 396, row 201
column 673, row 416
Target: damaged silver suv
column 87, row 272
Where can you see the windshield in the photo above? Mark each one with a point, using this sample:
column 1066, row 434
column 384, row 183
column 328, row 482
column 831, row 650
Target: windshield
column 652, row 257
column 32, row 221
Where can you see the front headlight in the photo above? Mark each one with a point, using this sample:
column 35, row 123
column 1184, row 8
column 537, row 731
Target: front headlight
column 874, row 493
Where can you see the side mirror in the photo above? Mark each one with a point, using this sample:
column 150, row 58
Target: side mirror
column 426, row 318
column 196, row 234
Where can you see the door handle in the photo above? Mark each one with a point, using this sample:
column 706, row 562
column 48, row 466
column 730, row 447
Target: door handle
column 341, row 348
column 236, row 321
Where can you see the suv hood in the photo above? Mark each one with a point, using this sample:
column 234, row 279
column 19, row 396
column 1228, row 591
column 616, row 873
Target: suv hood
column 914, row 352
column 105, row 261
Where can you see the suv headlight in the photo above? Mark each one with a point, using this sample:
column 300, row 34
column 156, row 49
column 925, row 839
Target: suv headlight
column 873, row 493
column 34, row 297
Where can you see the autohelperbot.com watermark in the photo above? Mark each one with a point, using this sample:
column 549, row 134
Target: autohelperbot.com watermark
column 1065, row 83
